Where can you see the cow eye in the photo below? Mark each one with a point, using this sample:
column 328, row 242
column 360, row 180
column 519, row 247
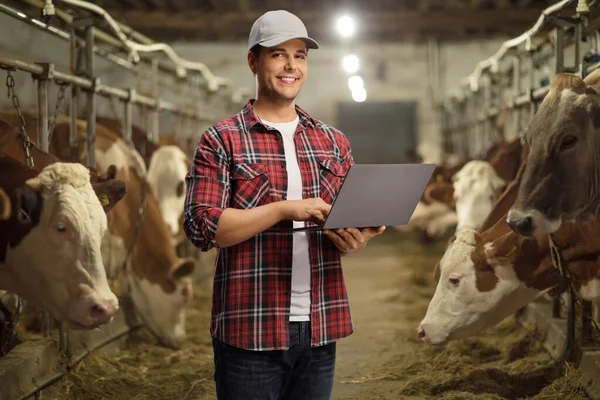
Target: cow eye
column 567, row 142
column 454, row 281
column 61, row 228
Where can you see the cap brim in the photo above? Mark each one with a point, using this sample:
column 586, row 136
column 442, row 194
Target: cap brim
column 311, row 43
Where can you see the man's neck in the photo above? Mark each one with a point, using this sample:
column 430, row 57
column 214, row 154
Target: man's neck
column 275, row 112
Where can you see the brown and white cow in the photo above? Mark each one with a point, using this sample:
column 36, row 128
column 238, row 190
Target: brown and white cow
column 167, row 165
column 562, row 177
column 50, row 249
column 485, row 277
column 159, row 282
column 474, row 190
column 50, row 240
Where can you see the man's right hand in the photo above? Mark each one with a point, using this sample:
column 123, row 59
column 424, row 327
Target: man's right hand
column 314, row 210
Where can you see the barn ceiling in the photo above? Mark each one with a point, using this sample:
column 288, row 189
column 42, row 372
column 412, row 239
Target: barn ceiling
column 380, row 20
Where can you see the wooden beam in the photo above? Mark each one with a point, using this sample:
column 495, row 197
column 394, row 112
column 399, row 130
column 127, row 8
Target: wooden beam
column 243, row 6
column 136, row 4
column 524, row 3
column 160, row 5
column 236, row 25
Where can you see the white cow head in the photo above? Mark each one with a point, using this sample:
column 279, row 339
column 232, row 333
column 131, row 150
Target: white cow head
column 477, row 186
column 477, row 288
column 166, row 173
column 161, row 305
column 57, row 265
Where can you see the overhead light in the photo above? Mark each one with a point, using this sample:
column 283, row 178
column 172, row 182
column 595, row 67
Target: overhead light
column 350, row 63
column 359, row 95
column 355, row 82
column 345, row 25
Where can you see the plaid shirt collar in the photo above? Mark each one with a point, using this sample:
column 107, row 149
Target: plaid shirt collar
column 251, row 119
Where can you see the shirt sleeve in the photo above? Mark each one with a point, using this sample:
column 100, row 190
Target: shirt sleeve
column 207, row 191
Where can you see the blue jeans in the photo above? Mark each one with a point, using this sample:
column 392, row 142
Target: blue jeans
column 301, row 372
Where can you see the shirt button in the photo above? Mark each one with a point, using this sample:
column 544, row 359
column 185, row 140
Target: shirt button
column 301, row 162
column 282, row 165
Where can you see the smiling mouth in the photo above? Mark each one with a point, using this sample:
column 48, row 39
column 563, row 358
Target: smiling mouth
column 288, row 80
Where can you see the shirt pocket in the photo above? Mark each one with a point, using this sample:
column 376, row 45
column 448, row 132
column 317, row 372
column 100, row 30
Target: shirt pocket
column 249, row 186
column 332, row 176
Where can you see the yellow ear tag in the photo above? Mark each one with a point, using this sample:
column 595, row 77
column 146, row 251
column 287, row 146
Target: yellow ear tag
column 439, row 178
column 103, row 199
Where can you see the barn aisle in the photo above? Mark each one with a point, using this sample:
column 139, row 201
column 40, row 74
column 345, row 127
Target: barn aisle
column 389, row 285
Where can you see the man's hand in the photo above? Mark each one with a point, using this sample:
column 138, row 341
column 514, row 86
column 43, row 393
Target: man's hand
column 352, row 240
column 314, row 210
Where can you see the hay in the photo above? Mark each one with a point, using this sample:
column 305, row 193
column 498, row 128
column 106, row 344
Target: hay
column 145, row 371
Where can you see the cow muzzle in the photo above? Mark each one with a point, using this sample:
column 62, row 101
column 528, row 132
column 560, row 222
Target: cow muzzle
column 531, row 223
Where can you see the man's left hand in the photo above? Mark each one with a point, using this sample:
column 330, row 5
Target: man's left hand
column 352, row 240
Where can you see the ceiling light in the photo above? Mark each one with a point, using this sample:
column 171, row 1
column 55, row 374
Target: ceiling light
column 355, row 82
column 359, row 95
column 350, row 63
column 345, row 25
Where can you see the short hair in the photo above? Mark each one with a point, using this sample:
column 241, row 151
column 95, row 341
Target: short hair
column 256, row 49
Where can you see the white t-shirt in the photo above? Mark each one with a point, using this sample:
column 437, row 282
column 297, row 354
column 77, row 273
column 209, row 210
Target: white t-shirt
column 300, row 302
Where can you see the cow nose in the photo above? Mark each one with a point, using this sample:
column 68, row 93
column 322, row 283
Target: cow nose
column 521, row 224
column 102, row 313
column 422, row 334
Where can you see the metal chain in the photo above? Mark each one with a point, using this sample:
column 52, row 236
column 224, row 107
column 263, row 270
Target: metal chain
column 566, row 275
column 11, row 328
column 59, row 105
column 27, row 144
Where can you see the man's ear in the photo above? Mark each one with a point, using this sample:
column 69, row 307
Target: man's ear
column 252, row 62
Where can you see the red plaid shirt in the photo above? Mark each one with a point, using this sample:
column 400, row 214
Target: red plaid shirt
column 240, row 163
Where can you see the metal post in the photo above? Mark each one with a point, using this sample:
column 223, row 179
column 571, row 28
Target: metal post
column 74, row 92
column 516, row 91
column 129, row 116
column 42, row 111
column 91, row 96
column 487, row 105
column 154, row 126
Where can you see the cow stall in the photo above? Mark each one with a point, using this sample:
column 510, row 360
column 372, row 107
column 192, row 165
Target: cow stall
column 95, row 110
column 496, row 103
column 154, row 105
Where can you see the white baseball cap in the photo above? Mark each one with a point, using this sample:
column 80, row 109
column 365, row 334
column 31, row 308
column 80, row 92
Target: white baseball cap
column 275, row 27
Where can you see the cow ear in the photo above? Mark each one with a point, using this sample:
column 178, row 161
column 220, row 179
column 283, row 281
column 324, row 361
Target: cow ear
column 109, row 193
column 111, row 173
column 441, row 192
column 26, row 211
column 506, row 247
column 592, row 82
column 184, row 268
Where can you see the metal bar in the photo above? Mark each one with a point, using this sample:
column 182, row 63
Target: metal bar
column 91, row 97
column 559, row 49
column 129, row 117
column 50, row 29
column 42, row 110
column 84, row 83
column 74, row 92
column 154, row 111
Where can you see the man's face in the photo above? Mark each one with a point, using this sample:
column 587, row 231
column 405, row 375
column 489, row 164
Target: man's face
column 280, row 70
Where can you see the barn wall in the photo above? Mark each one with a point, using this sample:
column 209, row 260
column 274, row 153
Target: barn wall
column 394, row 72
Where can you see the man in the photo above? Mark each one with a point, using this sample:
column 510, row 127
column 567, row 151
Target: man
column 279, row 299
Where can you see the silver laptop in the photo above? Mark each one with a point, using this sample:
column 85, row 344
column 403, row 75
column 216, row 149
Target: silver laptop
column 374, row 195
